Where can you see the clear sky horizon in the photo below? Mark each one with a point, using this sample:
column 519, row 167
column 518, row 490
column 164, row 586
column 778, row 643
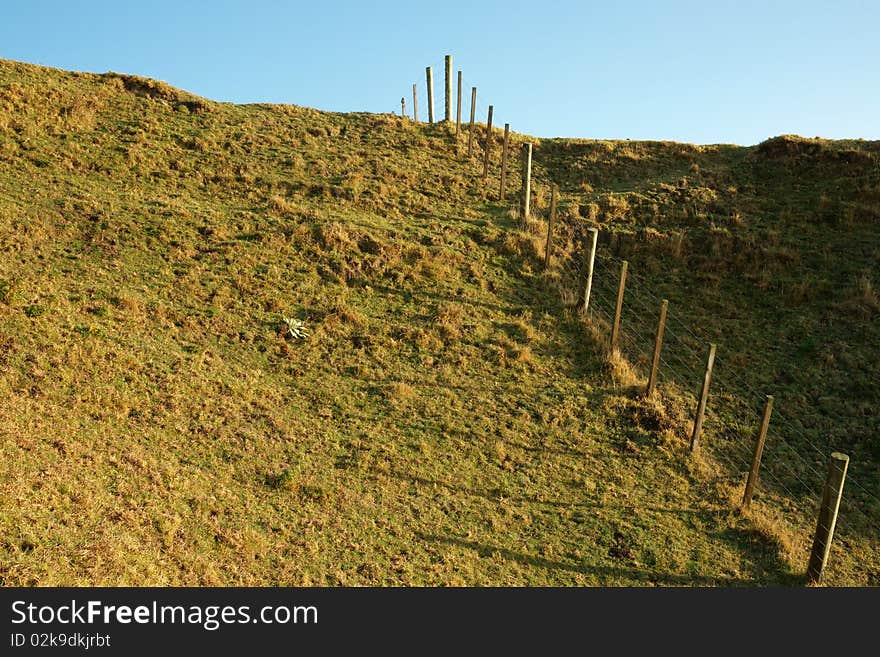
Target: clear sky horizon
column 694, row 71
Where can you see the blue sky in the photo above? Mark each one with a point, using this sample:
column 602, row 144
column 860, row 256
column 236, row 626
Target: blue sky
column 703, row 72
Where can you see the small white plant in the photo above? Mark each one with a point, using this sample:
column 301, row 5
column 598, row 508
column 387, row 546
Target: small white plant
column 296, row 328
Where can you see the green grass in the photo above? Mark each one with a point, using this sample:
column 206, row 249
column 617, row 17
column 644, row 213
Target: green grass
column 771, row 252
column 448, row 421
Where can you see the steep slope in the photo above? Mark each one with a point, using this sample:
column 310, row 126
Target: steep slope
column 772, row 253
column 447, row 420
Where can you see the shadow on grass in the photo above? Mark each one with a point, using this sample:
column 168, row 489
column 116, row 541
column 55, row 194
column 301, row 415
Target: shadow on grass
column 612, row 572
column 765, row 562
column 496, row 495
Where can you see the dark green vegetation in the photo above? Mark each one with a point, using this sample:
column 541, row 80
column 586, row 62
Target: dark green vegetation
column 448, row 420
column 771, row 252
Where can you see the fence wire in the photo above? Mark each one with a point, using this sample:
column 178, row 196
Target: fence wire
column 793, row 467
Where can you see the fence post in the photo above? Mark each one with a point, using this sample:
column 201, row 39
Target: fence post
column 658, row 345
column 752, row 481
column 504, row 161
column 488, row 145
column 403, row 107
column 430, row 79
column 615, row 331
column 473, row 116
column 548, row 249
column 837, row 466
column 458, row 107
column 679, row 239
column 704, row 395
column 415, row 104
column 589, row 261
column 448, row 104
column 527, row 181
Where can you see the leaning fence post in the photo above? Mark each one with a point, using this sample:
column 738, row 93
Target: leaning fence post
column 430, row 80
column 488, row 145
column 527, row 181
column 615, row 330
column 458, row 107
column 704, row 395
column 504, row 161
column 658, row 345
column 473, row 116
column 415, row 104
column 448, row 104
column 589, row 261
column 837, row 466
column 548, row 249
column 752, row 481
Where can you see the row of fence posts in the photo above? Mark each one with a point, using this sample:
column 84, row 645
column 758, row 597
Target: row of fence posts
column 505, row 149
column 429, row 83
column 837, row 464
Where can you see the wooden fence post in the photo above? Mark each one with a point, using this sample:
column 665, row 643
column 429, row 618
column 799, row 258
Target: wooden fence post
column 752, row 481
column 615, row 330
column 504, row 161
column 837, row 466
column 676, row 248
column 403, row 107
column 548, row 249
column 527, row 181
column 473, row 116
column 458, row 107
column 589, row 261
column 415, row 104
column 704, row 395
column 430, row 79
column 448, row 104
column 658, row 345
column 488, row 145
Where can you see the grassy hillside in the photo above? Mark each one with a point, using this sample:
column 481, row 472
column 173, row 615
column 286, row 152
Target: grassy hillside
column 448, row 419
column 771, row 252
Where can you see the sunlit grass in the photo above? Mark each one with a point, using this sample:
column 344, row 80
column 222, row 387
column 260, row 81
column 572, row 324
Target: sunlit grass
column 443, row 420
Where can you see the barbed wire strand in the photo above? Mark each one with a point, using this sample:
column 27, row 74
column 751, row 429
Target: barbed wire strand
column 804, row 463
column 778, row 414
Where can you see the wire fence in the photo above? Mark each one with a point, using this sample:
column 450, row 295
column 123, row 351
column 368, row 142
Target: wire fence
column 793, row 467
column 423, row 97
column 470, row 141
